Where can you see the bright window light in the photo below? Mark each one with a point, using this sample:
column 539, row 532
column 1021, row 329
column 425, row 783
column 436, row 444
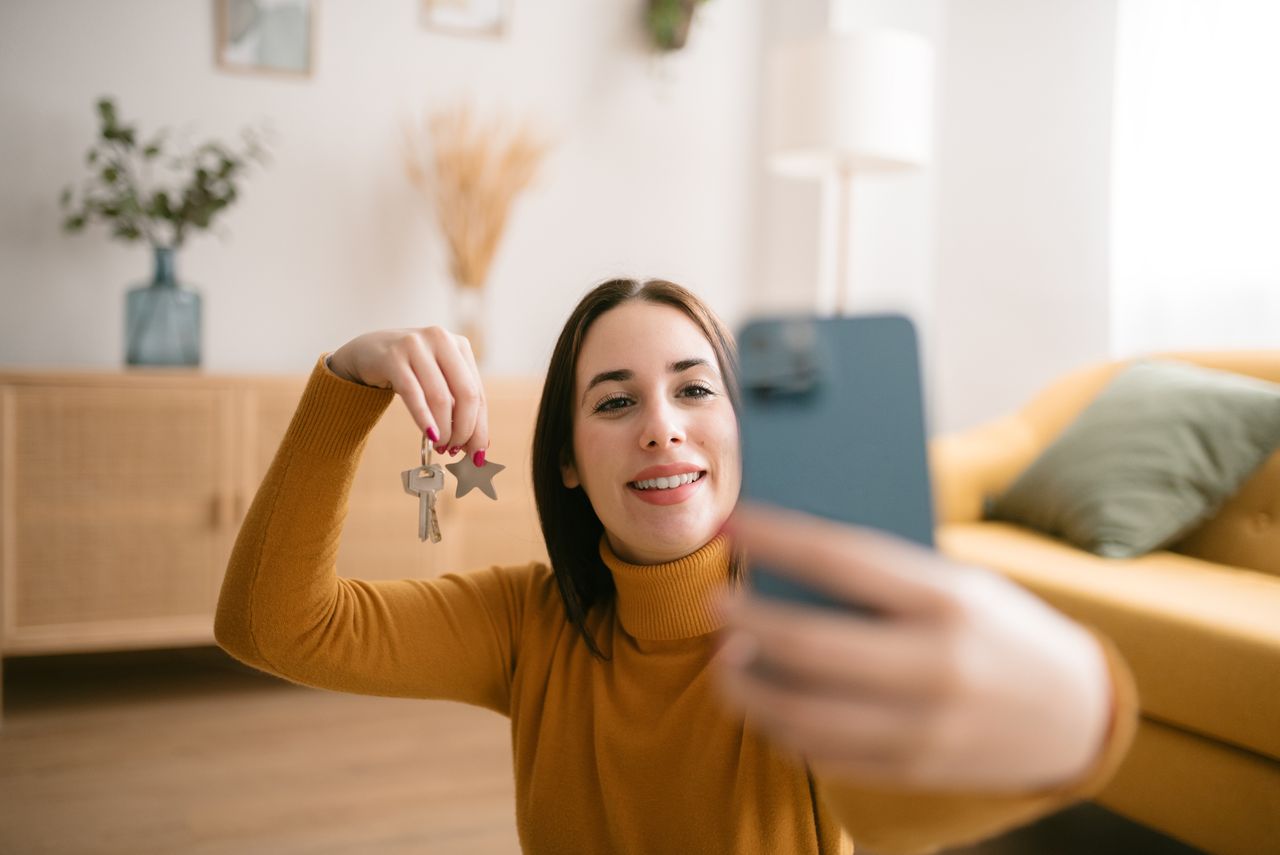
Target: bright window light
column 1196, row 176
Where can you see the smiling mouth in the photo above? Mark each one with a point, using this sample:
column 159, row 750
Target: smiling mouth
column 669, row 482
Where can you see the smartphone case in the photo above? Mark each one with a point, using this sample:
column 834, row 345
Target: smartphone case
column 832, row 423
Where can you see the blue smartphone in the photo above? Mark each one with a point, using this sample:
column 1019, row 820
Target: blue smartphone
column 832, row 424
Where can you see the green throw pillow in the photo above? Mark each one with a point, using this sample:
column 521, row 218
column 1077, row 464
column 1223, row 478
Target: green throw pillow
column 1161, row 448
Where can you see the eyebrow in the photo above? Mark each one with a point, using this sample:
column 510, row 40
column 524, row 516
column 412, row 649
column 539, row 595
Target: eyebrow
column 622, row 375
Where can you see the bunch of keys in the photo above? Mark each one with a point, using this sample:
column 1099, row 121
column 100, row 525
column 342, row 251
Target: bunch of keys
column 427, row 480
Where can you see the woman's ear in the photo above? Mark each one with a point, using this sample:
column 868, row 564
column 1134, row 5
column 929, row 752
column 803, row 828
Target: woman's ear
column 569, row 475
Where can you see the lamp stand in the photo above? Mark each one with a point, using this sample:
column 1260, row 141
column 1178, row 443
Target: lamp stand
column 844, row 199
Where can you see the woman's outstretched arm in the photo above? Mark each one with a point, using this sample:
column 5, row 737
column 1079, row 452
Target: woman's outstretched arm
column 968, row 707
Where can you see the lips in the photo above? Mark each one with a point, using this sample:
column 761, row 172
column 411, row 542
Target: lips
column 665, row 470
column 667, row 484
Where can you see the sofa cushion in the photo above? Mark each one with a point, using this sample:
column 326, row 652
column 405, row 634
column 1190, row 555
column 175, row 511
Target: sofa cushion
column 1245, row 532
column 1202, row 639
column 1160, row 449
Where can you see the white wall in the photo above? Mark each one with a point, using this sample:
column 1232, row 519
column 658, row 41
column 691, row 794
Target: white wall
column 998, row 250
column 650, row 176
column 1024, row 203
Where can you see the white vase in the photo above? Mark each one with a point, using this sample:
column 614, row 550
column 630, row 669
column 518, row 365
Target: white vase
column 469, row 320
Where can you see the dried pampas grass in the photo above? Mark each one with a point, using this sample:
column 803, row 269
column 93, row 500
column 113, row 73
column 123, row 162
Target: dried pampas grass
column 471, row 172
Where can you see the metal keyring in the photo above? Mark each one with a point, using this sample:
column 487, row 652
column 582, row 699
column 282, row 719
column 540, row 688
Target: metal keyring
column 426, row 452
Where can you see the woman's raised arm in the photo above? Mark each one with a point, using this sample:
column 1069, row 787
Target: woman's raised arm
column 283, row 607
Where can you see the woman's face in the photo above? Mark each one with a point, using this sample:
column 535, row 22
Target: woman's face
column 655, row 438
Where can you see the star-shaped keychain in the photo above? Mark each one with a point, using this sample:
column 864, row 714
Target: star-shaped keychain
column 471, row 476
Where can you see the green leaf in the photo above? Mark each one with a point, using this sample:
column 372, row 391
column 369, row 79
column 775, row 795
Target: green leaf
column 73, row 224
column 160, row 205
column 65, row 199
column 110, row 174
column 92, row 157
column 126, row 231
column 107, row 111
column 127, row 137
column 151, row 151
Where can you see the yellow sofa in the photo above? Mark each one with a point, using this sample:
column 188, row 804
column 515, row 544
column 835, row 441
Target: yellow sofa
column 1199, row 623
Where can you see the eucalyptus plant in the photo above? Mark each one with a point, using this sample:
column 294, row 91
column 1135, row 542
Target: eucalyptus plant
column 124, row 192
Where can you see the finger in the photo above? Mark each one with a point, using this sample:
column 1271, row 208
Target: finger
column 480, row 434
column 434, row 388
column 480, row 440
column 820, row 726
column 850, row 563
column 874, row 770
column 405, row 383
column 461, row 383
column 843, row 655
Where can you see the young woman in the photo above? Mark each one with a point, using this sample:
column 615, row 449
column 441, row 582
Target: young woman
column 649, row 712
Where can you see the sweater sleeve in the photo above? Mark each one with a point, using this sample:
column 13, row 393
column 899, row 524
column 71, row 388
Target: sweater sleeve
column 283, row 608
column 904, row 822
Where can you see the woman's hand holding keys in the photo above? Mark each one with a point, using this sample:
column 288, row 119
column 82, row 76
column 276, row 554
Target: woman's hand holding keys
column 434, row 372
column 965, row 681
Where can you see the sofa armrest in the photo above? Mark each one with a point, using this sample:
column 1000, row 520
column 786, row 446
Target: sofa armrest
column 969, row 466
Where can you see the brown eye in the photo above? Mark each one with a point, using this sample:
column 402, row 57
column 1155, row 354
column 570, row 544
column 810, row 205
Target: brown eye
column 612, row 403
column 697, row 390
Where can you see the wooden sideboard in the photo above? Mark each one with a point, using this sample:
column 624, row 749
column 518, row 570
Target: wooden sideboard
column 121, row 493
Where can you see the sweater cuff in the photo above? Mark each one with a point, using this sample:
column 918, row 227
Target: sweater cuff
column 1121, row 728
column 334, row 416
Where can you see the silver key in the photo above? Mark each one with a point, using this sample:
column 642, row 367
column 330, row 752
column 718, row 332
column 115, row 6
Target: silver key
column 425, row 482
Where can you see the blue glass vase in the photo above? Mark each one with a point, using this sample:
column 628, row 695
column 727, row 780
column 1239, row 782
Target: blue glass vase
column 162, row 319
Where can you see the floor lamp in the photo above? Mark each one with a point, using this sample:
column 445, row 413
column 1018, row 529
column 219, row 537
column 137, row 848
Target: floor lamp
column 846, row 103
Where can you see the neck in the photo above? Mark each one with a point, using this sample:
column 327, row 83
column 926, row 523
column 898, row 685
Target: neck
column 674, row 599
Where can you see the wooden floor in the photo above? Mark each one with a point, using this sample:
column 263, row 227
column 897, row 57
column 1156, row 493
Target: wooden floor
column 187, row 751
column 190, row 752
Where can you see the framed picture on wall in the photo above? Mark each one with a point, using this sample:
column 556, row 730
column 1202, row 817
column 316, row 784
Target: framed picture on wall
column 265, row 36
column 467, row 17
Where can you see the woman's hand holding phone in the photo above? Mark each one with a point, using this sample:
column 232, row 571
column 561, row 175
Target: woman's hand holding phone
column 434, row 372
column 964, row 681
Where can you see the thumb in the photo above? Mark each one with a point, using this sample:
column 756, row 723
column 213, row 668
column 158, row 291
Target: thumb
column 848, row 563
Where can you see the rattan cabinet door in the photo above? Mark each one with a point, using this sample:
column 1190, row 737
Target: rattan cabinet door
column 119, row 513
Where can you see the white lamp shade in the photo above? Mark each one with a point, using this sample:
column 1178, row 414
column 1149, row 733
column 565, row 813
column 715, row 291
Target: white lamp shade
column 859, row 100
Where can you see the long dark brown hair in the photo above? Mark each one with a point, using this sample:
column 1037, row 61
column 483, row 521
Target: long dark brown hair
column 569, row 524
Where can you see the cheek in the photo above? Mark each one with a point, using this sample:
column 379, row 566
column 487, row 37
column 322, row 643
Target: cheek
column 590, row 455
column 723, row 437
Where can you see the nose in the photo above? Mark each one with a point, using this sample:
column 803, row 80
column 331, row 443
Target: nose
column 662, row 429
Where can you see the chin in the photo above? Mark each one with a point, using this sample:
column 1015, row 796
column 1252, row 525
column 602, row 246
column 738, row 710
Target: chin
column 681, row 540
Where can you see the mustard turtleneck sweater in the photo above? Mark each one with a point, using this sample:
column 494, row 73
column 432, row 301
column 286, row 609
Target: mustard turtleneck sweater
column 635, row 754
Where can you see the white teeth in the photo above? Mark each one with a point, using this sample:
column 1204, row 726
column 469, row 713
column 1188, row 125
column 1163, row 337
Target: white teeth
column 668, row 482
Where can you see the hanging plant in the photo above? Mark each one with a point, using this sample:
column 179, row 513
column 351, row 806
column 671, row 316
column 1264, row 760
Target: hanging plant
column 668, row 22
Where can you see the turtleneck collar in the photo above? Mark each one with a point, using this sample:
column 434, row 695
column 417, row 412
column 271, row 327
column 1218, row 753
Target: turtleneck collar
column 664, row 602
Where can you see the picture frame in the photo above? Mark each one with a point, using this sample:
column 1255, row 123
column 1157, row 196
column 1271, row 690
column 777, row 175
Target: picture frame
column 483, row 18
column 273, row 37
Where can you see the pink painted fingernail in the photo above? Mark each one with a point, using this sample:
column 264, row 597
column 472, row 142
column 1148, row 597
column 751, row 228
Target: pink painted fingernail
column 440, row 449
column 455, row 449
column 432, row 435
column 478, row 458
